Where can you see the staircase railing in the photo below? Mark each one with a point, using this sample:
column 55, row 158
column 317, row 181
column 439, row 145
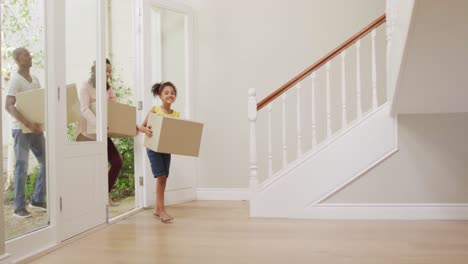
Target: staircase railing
column 297, row 81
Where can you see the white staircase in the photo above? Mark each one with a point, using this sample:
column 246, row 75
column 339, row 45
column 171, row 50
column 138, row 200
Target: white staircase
column 344, row 154
column 328, row 168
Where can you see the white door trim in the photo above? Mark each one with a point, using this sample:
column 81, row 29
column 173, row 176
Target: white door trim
column 144, row 44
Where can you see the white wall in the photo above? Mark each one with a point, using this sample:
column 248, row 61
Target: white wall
column 433, row 77
column 430, row 167
column 257, row 44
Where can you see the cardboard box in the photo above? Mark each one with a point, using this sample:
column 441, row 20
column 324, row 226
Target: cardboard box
column 121, row 120
column 73, row 104
column 31, row 104
column 174, row 135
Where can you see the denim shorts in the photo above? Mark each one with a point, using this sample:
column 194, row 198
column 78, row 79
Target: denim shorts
column 160, row 163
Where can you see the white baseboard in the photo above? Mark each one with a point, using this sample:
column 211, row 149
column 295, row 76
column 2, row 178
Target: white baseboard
column 221, row 194
column 5, row 259
column 386, row 211
column 171, row 197
column 179, row 196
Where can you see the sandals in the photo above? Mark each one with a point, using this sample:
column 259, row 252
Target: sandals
column 164, row 216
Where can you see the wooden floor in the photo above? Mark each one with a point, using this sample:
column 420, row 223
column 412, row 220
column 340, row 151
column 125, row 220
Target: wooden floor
column 221, row 232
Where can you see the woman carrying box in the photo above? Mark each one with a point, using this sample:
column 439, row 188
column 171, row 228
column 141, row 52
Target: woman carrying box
column 88, row 123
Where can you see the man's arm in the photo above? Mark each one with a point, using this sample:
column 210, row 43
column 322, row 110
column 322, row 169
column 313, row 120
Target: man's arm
column 11, row 109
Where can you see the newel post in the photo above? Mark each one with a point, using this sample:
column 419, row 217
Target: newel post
column 252, row 115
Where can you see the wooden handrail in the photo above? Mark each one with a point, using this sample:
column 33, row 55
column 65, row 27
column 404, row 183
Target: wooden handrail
column 379, row 21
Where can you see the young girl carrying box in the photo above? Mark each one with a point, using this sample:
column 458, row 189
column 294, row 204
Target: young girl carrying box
column 161, row 162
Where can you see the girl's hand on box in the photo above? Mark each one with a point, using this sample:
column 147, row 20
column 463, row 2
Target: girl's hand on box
column 148, row 131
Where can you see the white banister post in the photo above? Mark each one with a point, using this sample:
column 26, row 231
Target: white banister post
column 298, row 121
column 314, row 108
column 344, row 119
column 285, row 146
column 374, row 72
column 252, row 115
column 329, row 130
column 358, row 79
column 270, row 142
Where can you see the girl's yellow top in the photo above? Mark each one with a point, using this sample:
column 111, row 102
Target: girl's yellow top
column 159, row 111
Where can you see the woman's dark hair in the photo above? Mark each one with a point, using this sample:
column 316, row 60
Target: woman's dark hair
column 159, row 87
column 92, row 78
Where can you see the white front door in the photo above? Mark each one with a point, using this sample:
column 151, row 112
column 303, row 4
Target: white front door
column 166, row 55
column 81, row 166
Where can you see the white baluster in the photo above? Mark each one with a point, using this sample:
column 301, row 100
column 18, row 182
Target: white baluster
column 314, row 108
column 270, row 142
column 285, row 146
column 252, row 115
column 298, row 111
column 329, row 131
column 389, row 44
column 344, row 119
column 358, row 79
column 374, row 73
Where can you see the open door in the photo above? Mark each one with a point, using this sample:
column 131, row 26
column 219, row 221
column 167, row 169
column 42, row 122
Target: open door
column 81, row 165
column 166, row 55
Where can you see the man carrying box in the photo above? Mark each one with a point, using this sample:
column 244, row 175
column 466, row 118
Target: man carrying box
column 35, row 141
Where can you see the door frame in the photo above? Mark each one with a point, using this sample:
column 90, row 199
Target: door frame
column 143, row 96
column 137, row 145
